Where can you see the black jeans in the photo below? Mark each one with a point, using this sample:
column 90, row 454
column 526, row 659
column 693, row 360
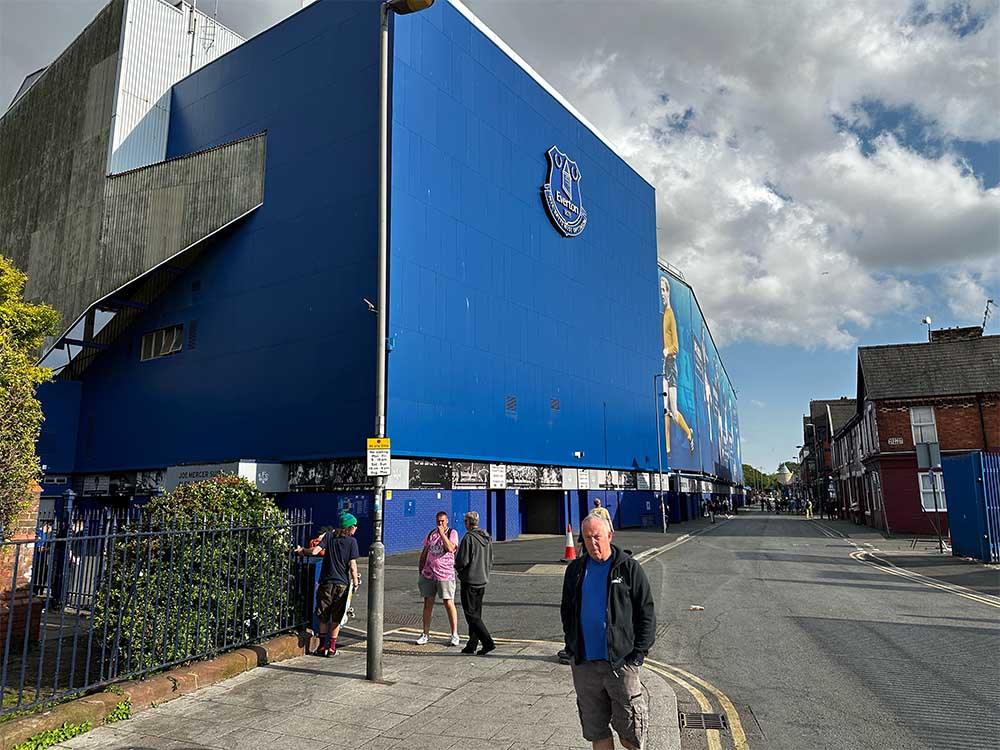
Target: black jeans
column 472, row 606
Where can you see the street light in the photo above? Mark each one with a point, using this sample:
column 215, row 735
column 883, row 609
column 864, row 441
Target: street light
column 658, row 394
column 376, row 553
column 817, row 462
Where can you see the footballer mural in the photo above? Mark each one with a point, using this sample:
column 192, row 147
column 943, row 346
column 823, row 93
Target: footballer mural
column 700, row 421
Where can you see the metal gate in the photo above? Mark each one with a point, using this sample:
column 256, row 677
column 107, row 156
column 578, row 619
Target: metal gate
column 972, row 482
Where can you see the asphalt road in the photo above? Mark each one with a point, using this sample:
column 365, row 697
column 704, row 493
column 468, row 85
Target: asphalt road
column 814, row 648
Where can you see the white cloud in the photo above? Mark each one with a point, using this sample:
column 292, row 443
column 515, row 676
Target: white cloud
column 789, row 232
column 967, row 290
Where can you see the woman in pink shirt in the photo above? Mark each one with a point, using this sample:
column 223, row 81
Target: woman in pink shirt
column 437, row 576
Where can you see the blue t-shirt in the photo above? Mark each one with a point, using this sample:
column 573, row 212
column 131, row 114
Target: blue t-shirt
column 594, row 609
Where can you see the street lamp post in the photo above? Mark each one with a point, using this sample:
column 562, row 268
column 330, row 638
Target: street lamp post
column 376, row 553
column 658, row 410
column 815, row 480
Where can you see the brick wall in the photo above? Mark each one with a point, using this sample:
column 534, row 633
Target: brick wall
column 958, row 423
column 20, row 555
column 16, row 558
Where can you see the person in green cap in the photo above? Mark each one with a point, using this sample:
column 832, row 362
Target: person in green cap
column 338, row 573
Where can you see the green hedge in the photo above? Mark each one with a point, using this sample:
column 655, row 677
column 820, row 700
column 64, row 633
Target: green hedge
column 208, row 566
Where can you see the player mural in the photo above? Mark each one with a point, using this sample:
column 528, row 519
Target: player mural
column 699, row 405
column 671, row 347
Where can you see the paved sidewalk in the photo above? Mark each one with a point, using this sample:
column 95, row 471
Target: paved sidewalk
column 518, row 698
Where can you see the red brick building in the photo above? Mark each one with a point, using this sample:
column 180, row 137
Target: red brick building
column 947, row 391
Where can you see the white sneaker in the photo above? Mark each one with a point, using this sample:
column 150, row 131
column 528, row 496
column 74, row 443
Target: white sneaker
column 455, row 639
column 422, row 640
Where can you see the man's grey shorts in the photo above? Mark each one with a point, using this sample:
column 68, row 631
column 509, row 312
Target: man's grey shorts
column 605, row 699
column 440, row 589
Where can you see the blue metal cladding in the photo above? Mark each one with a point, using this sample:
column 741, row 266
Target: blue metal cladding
column 283, row 366
column 511, row 341
column 56, row 444
column 409, row 515
column 703, row 399
column 973, row 484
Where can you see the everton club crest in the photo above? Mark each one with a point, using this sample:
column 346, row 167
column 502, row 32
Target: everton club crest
column 561, row 194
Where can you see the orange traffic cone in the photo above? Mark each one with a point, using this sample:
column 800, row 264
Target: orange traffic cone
column 570, row 545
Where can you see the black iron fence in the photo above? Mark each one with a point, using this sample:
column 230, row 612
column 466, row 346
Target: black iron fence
column 105, row 596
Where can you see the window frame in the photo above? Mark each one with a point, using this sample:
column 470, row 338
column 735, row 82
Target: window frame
column 153, row 344
column 927, row 494
column 917, row 428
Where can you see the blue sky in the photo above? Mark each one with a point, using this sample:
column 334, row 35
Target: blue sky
column 827, row 173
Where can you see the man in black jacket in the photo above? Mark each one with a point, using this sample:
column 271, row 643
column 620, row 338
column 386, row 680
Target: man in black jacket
column 609, row 625
column 473, row 564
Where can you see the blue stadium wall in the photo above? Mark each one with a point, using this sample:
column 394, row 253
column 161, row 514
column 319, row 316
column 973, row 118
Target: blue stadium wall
column 488, row 301
column 284, row 357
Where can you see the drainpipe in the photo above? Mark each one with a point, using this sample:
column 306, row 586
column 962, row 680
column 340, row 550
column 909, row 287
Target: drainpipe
column 982, row 421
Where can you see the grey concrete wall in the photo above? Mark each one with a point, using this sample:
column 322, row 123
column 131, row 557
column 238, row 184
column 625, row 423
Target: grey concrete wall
column 53, row 153
column 155, row 212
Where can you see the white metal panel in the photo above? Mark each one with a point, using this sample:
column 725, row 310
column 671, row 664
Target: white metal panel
column 156, row 54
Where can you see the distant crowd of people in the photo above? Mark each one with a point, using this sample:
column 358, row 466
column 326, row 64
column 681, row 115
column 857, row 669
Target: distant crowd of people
column 774, row 503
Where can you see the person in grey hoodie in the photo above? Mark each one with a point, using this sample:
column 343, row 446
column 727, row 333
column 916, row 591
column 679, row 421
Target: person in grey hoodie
column 473, row 564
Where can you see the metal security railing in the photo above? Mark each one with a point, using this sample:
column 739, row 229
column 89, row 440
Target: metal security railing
column 104, row 596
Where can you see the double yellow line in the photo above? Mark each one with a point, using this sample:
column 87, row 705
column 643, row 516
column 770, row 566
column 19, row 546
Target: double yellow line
column 887, row 567
column 685, row 679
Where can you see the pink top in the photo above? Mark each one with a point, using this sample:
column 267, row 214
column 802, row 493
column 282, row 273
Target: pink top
column 439, row 565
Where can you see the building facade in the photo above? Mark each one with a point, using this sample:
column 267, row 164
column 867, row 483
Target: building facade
column 825, row 418
column 529, row 369
column 944, row 392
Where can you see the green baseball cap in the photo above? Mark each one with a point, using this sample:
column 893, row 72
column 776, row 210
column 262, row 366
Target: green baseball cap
column 347, row 520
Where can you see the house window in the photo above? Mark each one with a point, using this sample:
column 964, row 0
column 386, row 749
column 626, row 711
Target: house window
column 922, row 423
column 927, row 491
column 162, row 342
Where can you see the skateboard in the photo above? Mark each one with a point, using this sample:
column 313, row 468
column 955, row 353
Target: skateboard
column 348, row 610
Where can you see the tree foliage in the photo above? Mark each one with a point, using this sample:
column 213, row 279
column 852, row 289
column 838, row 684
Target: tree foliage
column 207, row 567
column 758, row 480
column 23, row 326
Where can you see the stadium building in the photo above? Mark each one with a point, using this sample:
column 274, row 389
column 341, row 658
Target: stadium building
column 202, row 210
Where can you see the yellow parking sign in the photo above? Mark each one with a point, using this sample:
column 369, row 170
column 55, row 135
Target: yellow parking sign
column 379, row 461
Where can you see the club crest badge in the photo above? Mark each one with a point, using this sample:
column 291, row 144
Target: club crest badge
column 561, row 194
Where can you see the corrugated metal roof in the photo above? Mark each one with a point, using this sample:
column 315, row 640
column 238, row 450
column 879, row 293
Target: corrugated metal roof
column 945, row 368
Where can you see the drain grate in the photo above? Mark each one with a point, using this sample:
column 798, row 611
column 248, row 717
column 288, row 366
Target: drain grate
column 703, row 721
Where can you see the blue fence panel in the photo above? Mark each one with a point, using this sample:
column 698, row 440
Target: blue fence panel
column 973, row 485
column 991, row 497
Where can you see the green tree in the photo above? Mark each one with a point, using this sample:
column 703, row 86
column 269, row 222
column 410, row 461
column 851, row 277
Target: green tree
column 758, row 480
column 23, row 326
